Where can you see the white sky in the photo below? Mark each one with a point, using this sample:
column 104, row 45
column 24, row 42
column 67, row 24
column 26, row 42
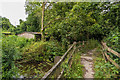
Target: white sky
column 13, row 10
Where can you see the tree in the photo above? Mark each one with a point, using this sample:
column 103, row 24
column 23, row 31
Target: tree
column 73, row 21
column 45, row 7
column 5, row 24
column 42, row 21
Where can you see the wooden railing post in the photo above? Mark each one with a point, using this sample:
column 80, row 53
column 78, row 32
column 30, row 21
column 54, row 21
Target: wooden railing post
column 74, row 48
column 69, row 62
column 57, row 72
column 113, row 52
column 104, row 54
column 57, row 64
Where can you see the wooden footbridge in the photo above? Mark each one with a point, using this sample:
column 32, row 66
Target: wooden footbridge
column 58, row 69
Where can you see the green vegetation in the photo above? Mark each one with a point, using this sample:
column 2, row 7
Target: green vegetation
column 89, row 45
column 9, row 54
column 65, row 22
column 42, row 51
column 17, row 51
column 6, row 25
column 75, row 70
column 102, row 68
column 105, row 70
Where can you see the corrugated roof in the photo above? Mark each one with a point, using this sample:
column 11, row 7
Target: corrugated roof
column 32, row 33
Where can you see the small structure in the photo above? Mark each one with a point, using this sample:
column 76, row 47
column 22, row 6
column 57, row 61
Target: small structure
column 30, row 35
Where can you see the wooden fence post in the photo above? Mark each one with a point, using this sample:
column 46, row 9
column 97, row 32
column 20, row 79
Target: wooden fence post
column 47, row 74
column 57, row 72
column 108, row 57
column 104, row 54
column 70, row 62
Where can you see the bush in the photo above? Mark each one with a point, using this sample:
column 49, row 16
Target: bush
column 9, row 55
column 113, row 42
column 75, row 71
column 89, row 45
column 105, row 70
column 42, row 51
column 20, row 42
column 11, row 47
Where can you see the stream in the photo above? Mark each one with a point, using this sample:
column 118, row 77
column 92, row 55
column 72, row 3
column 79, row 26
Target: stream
column 33, row 69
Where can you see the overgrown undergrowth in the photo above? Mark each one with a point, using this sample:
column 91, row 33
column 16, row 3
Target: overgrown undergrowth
column 75, row 70
column 27, row 57
column 102, row 68
column 88, row 45
column 105, row 70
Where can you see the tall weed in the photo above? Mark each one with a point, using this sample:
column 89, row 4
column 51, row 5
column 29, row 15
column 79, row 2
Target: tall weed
column 11, row 51
column 42, row 51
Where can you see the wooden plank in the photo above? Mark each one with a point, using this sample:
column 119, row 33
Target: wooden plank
column 67, row 63
column 71, row 56
column 57, row 64
column 57, row 58
column 104, row 54
column 112, row 61
column 110, row 50
column 114, row 52
column 60, row 74
column 57, row 72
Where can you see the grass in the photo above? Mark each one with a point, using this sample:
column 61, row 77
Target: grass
column 75, row 71
column 103, row 69
column 89, row 45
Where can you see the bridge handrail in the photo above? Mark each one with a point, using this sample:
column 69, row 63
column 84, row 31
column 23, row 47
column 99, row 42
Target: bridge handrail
column 58, row 63
column 105, row 47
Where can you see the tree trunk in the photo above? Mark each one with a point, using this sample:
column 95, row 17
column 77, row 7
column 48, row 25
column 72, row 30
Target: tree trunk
column 42, row 22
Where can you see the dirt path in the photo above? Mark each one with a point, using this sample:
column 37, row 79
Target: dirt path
column 87, row 61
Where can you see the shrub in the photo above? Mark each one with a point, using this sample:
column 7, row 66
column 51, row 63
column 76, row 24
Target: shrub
column 11, row 51
column 89, row 45
column 9, row 54
column 105, row 70
column 113, row 42
column 42, row 51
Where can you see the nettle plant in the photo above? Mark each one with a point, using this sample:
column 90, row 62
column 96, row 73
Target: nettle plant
column 105, row 70
column 113, row 42
column 113, row 39
column 9, row 54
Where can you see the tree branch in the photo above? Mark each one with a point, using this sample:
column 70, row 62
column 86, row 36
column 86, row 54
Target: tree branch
column 53, row 21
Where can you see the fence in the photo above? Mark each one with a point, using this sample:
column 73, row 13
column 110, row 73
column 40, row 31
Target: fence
column 51, row 72
column 105, row 47
column 57, row 70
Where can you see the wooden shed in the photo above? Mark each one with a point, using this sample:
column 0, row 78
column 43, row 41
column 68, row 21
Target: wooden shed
column 30, row 35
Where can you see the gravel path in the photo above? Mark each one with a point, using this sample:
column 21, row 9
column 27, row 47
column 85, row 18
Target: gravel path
column 87, row 61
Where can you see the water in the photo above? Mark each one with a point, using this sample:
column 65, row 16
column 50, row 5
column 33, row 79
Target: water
column 34, row 69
